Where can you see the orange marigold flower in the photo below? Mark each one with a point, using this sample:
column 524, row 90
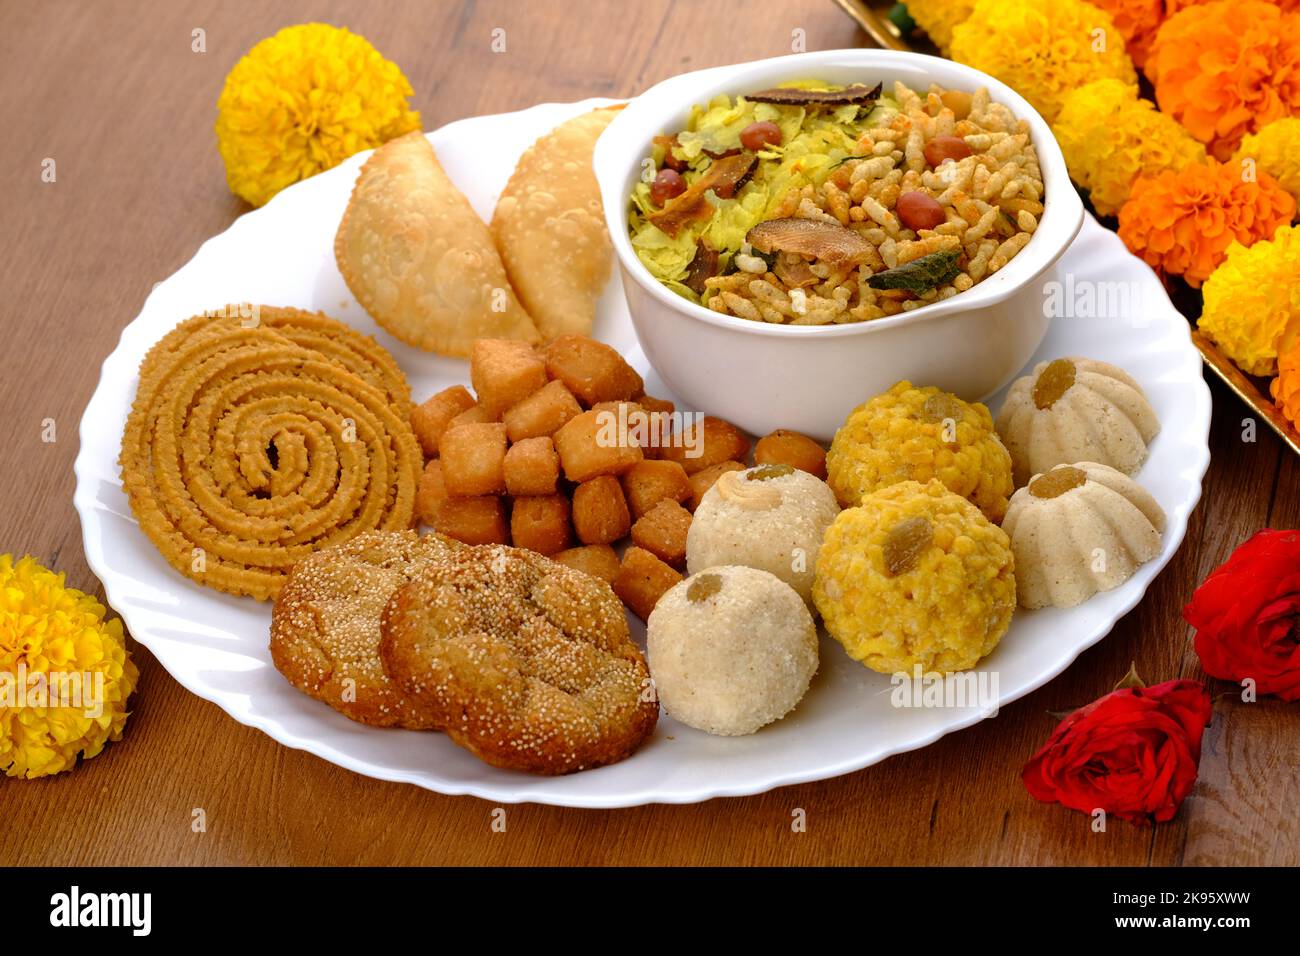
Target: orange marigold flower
column 1286, row 387
column 1182, row 222
column 1226, row 69
column 1138, row 20
column 1173, row 6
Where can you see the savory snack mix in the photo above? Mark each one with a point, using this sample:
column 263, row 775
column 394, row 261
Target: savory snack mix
column 771, row 517
column 917, row 434
column 256, row 441
column 915, row 576
column 1075, row 409
column 732, row 649
column 524, row 662
column 812, row 204
column 418, row 258
column 1079, row 529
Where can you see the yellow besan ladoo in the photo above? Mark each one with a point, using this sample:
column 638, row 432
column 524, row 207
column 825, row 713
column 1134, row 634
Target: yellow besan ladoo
column 916, row 434
column 914, row 577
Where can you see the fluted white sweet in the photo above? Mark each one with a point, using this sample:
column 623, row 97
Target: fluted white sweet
column 1091, row 537
column 1102, row 416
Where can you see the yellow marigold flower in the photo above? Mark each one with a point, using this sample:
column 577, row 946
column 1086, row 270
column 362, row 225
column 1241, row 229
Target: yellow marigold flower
column 1043, row 49
column 938, row 17
column 1276, row 150
column 1183, row 221
column 1110, row 137
column 302, row 102
column 1252, row 297
column 65, row 672
column 1138, row 20
column 1286, row 387
column 1226, row 69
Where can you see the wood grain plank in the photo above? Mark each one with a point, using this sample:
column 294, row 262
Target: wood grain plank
column 126, row 108
column 1236, row 813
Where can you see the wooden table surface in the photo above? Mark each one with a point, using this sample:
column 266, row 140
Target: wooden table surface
column 114, row 93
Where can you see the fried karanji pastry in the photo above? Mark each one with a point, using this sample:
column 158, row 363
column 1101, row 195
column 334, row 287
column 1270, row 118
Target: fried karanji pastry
column 325, row 625
column 418, row 258
column 550, row 229
column 527, row 663
column 252, row 445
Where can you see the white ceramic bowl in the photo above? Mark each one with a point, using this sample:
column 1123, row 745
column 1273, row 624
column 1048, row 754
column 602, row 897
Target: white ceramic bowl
column 808, row 378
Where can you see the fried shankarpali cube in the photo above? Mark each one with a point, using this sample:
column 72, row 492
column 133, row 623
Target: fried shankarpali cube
column 504, row 372
column 477, row 520
column 431, row 418
column 531, row 467
column 476, row 414
column 473, row 459
column 592, row 370
column 662, row 532
column 706, row 442
column 430, row 493
column 703, row 480
column 642, row 580
column 541, row 523
column 600, row 514
column 598, row 560
column 784, row 447
column 542, row 413
column 595, row 443
column 649, row 482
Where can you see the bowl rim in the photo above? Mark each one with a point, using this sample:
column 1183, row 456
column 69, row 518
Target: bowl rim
column 625, row 142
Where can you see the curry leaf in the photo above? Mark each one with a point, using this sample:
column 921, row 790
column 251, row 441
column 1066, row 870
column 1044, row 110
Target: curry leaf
column 920, row 274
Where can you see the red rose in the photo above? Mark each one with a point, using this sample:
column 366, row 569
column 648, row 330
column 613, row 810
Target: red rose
column 1133, row 753
column 1247, row 615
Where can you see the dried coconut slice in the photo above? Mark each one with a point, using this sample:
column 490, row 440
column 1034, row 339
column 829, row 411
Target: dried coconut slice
column 789, row 96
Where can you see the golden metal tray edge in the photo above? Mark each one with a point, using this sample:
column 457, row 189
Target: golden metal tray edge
column 875, row 23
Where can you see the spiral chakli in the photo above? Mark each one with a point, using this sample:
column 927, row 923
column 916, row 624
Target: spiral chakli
column 254, row 443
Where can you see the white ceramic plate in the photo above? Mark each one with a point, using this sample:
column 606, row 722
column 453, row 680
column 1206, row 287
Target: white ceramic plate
column 216, row 644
